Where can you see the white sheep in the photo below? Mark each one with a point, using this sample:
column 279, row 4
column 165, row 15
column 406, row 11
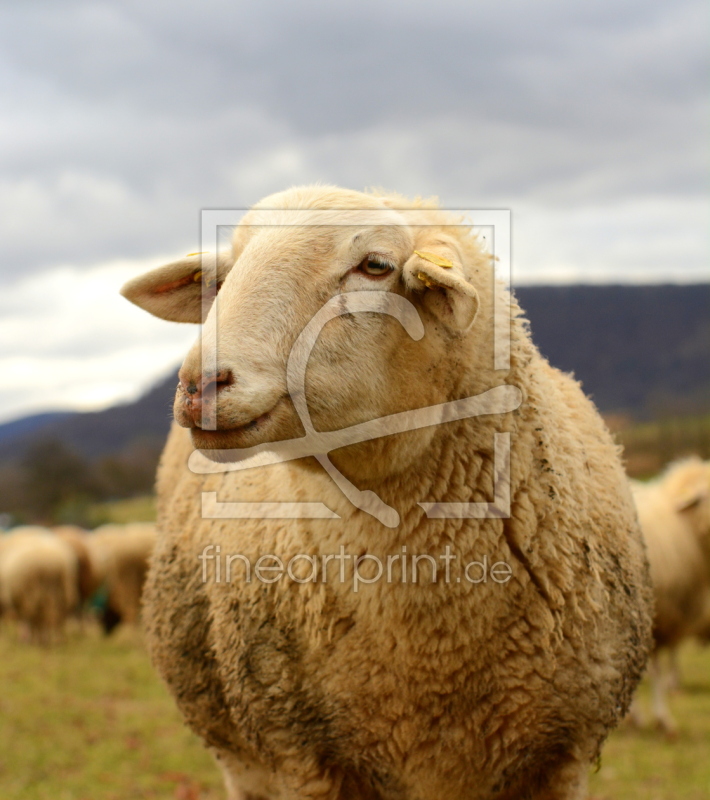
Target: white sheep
column 87, row 580
column 119, row 555
column 472, row 687
column 38, row 582
column 674, row 512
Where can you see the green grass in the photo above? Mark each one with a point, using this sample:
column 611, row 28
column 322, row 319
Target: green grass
column 645, row 764
column 89, row 720
column 133, row 509
column 649, row 446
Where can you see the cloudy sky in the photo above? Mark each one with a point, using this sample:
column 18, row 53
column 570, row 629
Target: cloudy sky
column 119, row 121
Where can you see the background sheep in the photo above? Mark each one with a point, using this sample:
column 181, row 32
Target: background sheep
column 38, row 582
column 119, row 555
column 674, row 511
column 308, row 690
column 87, row 579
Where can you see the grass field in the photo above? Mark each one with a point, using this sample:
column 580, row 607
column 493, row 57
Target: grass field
column 89, row 720
column 132, row 509
column 649, row 446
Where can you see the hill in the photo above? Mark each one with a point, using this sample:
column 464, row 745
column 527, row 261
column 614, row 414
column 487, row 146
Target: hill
column 29, row 425
column 639, row 350
column 643, row 351
column 96, row 433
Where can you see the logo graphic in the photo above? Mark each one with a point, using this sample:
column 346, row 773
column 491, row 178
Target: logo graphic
column 499, row 400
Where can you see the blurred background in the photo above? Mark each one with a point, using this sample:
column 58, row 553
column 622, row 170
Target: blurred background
column 119, row 122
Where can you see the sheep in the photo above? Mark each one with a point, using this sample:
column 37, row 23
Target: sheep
column 674, row 512
column 38, row 582
column 325, row 687
column 87, row 580
column 120, row 556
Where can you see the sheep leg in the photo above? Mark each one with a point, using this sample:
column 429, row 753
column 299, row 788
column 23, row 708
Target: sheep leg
column 306, row 778
column 635, row 717
column 235, row 792
column 24, row 632
column 568, row 782
column 237, row 775
column 298, row 778
column 661, row 712
column 674, row 677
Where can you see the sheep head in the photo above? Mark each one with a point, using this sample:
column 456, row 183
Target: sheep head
column 687, row 484
column 277, row 277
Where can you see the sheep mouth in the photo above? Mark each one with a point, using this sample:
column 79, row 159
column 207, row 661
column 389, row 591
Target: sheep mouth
column 228, row 438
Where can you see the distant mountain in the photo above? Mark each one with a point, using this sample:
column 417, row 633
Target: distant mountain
column 97, row 433
column 28, row 425
column 642, row 350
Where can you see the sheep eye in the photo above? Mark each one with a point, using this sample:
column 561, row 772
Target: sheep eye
column 374, row 267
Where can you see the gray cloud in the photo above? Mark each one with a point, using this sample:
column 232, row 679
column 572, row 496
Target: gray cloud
column 121, row 121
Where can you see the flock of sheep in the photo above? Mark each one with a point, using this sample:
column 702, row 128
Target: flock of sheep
column 303, row 689
column 674, row 512
column 50, row 575
column 47, row 576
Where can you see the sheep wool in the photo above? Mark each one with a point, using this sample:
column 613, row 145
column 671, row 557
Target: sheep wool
column 119, row 556
column 674, row 512
column 38, row 581
column 498, row 679
column 76, row 538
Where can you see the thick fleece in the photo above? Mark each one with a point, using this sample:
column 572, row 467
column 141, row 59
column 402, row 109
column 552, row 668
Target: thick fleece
column 674, row 511
column 401, row 690
column 38, row 582
column 76, row 538
column 119, row 555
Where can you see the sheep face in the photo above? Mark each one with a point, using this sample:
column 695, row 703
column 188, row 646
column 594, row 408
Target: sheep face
column 362, row 366
column 687, row 484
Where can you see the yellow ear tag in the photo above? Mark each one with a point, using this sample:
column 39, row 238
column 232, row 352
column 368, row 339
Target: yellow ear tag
column 201, row 253
column 438, row 260
column 197, row 277
column 427, row 281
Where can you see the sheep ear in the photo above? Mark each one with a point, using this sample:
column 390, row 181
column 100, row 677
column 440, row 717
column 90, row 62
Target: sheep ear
column 178, row 291
column 434, row 271
column 691, row 498
column 688, row 483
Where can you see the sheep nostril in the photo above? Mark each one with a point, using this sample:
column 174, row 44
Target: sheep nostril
column 210, row 385
column 223, row 379
column 217, row 382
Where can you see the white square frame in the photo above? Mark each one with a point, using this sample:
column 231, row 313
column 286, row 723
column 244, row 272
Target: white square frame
column 498, row 221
